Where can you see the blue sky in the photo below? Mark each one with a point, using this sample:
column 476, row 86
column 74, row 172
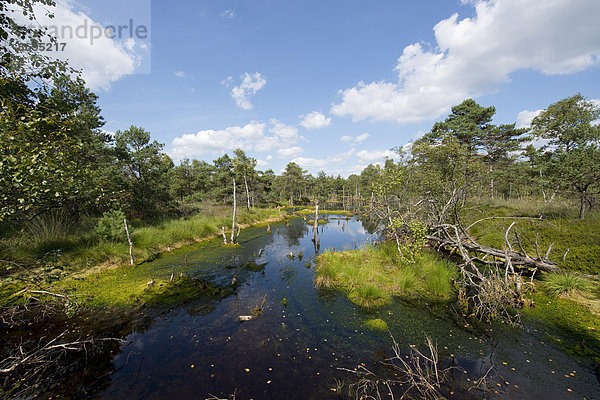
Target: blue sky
column 332, row 85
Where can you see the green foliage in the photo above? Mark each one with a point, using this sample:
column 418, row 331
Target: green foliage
column 412, row 241
column 573, row 153
column 111, row 227
column 292, row 178
column 557, row 284
column 52, row 150
column 146, row 169
column 19, row 59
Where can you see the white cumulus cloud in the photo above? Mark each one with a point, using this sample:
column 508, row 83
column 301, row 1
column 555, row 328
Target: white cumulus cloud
column 290, row 152
column 251, row 83
column 315, row 120
column 102, row 60
column 355, row 140
column 370, row 156
column 261, row 164
column 474, row 55
column 525, row 117
column 311, row 163
column 254, row 136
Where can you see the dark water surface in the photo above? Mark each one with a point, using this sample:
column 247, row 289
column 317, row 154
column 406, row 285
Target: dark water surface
column 294, row 351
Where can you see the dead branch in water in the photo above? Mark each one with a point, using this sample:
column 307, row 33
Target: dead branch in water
column 416, row 375
column 47, row 352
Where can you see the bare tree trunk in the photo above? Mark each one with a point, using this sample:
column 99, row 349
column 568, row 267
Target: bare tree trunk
column 233, row 219
column 316, row 224
column 582, row 206
column 224, row 236
column 130, row 242
column 247, row 194
column 491, row 182
column 543, row 191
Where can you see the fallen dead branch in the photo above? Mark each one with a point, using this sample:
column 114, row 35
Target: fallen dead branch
column 443, row 239
column 45, row 354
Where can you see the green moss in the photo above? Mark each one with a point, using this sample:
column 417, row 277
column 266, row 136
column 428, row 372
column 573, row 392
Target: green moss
column 255, row 267
column 311, row 211
column 567, row 323
column 126, row 286
column 377, row 324
column 180, row 291
column 319, row 222
column 372, row 275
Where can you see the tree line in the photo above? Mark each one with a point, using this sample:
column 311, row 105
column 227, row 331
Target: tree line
column 55, row 155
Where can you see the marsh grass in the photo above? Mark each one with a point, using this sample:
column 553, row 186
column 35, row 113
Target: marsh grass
column 560, row 228
column 104, row 276
column 565, row 283
column 149, row 241
column 372, row 275
column 48, row 232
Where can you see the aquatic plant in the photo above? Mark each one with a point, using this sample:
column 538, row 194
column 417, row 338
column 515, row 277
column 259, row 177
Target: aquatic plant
column 376, row 324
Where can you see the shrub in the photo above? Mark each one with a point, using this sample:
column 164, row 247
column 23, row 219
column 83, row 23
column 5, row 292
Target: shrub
column 110, row 227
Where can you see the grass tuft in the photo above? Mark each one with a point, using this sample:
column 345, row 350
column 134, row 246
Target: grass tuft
column 372, row 275
column 564, row 283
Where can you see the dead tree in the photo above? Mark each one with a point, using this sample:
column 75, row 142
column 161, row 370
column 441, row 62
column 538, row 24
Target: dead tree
column 316, row 223
column 454, row 236
column 130, row 242
column 233, row 237
column 247, row 194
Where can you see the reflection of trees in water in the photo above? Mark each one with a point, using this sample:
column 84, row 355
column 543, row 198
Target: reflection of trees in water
column 294, row 232
column 327, row 295
column 371, row 225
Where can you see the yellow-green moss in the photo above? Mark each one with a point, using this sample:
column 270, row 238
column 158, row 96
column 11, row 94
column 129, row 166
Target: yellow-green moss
column 377, row 324
column 567, row 323
column 311, row 211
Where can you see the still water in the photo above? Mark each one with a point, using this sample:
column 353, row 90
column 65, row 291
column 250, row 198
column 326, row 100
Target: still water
column 295, row 350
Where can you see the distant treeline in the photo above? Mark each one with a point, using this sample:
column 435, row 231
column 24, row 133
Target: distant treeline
column 54, row 154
